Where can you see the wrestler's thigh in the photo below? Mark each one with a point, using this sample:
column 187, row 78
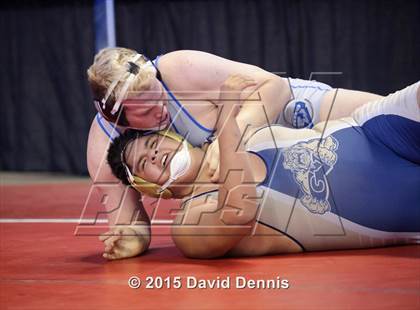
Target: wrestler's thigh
column 344, row 103
column 418, row 97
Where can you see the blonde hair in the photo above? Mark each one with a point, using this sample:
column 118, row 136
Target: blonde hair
column 111, row 64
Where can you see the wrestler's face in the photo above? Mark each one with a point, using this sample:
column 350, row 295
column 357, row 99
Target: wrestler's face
column 147, row 109
column 149, row 157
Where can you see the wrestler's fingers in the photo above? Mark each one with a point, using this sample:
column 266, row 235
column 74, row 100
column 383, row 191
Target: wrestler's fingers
column 115, row 254
column 215, row 176
column 241, row 77
column 113, row 248
column 112, row 240
column 111, row 256
column 109, row 249
column 111, row 233
column 237, row 82
column 244, row 79
column 211, row 158
column 238, row 86
column 213, row 165
column 246, row 83
column 106, row 235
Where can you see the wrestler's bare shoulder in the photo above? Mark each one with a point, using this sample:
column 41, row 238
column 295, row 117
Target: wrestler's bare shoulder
column 190, row 69
column 97, row 147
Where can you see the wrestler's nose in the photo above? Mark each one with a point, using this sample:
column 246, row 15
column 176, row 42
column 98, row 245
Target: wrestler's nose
column 153, row 155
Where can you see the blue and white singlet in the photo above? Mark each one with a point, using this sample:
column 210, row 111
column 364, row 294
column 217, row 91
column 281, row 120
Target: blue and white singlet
column 301, row 112
column 355, row 186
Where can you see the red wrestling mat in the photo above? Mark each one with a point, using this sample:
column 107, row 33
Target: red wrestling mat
column 45, row 266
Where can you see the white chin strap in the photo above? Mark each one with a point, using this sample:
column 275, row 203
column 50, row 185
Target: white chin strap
column 180, row 164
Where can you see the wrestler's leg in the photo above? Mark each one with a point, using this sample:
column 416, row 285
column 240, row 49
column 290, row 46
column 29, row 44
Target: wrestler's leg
column 418, row 97
column 394, row 121
column 344, row 103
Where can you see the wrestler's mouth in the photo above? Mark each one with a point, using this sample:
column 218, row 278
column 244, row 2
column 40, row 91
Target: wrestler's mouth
column 166, row 159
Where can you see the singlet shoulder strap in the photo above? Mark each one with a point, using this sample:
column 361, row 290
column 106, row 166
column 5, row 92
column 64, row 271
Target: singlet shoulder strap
column 155, row 64
column 156, row 60
column 190, row 199
column 180, row 106
column 109, row 129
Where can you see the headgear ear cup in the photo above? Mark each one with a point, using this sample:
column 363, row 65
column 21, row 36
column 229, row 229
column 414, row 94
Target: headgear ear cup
column 152, row 189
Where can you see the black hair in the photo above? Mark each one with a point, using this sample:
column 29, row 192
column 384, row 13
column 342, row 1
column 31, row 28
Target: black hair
column 115, row 150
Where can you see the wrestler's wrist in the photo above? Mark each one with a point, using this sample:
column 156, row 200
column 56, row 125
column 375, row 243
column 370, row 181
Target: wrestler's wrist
column 141, row 227
column 143, row 232
column 226, row 120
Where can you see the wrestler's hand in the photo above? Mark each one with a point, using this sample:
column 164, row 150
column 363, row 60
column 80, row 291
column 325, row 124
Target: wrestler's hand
column 124, row 242
column 230, row 94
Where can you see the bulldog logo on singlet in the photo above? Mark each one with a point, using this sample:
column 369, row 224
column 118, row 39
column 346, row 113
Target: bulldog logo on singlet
column 310, row 162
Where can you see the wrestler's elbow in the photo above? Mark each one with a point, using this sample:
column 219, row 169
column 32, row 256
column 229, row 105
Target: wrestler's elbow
column 208, row 231
column 197, row 244
column 274, row 85
column 198, row 252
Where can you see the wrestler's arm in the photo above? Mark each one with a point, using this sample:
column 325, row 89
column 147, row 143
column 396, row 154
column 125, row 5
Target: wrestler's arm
column 129, row 233
column 206, row 72
column 220, row 225
column 339, row 103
